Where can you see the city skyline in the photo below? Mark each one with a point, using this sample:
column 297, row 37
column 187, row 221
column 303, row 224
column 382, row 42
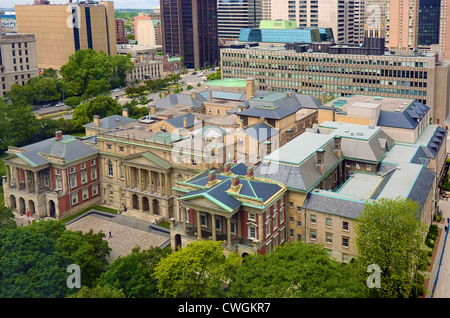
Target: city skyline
column 118, row 4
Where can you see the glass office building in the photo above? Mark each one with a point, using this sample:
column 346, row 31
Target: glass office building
column 286, row 35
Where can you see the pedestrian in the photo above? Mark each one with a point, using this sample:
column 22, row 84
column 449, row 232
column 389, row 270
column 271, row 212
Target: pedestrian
column 110, row 235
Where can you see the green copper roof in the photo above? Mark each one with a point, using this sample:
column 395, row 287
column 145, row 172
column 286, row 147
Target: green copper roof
column 228, row 82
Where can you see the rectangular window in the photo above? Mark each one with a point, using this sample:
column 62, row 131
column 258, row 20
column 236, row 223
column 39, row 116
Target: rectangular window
column 85, row 194
column 329, row 238
column 72, row 169
column 83, row 166
column 329, row 222
column 345, row 226
column 93, row 174
column 94, row 190
column 252, row 232
column 345, row 241
column 73, row 182
column 313, row 218
column 313, row 235
column 84, row 178
column 75, row 198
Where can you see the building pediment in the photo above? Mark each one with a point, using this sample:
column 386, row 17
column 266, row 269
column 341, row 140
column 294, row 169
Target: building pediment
column 147, row 159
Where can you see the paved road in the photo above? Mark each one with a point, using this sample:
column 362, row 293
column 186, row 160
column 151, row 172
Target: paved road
column 442, row 289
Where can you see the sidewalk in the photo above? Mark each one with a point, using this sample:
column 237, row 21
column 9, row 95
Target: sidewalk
column 442, row 288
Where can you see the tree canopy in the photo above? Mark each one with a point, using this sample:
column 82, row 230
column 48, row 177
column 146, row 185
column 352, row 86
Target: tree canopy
column 102, row 106
column 199, row 270
column 390, row 235
column 295, row 270
column 133, row 273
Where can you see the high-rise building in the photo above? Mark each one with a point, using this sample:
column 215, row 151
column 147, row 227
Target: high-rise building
column 444, row 40
column 375, row 18
column 61, row 30
column 429, row 18
column 121, row 35
column 189, row 29
column 234, row 15
column 147, row 30
column 340, row 15
column 402, row 24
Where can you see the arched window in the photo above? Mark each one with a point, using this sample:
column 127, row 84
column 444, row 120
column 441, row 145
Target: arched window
column 110, row 168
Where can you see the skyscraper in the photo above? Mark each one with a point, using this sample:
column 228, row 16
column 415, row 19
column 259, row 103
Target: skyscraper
column 429, row 18
column 234, row 15
column 189, row 29
column 340, row 15
column 61, row 30
column 402, row 18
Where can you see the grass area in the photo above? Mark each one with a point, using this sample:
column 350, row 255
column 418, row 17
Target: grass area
column 97, row 207
column 78, row 133
column 165, row 224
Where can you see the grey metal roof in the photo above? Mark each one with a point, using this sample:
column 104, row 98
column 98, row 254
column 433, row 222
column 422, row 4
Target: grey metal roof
column 178, row 122
column 276, row 105
column 179, row 99
column 112, row 122
column 407, row 118
column 261, row 131
column 69, row 148
column 337, row 205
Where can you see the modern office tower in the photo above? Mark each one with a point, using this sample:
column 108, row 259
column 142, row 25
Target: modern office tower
column 61, row 30
column 375, row 18
column 429, row 18
column 336, row 14
column 329, row 71
column 189, row 29
column 234, row 15
column 121, row 35
column 18, row 62
column 402, row 30
column 147, row 30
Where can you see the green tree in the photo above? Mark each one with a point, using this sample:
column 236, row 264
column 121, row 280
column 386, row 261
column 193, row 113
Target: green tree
column 50, row 73
column 7, row 218
column 84, row 67
column 31, row 265
column 122, row 65
column 97, row 292
column 295, row 270
column 43, row 90
column 389, row 234
column 18, row 125
column 100, row 105
column 88, row 250
column 201, row 269
column 133, row 273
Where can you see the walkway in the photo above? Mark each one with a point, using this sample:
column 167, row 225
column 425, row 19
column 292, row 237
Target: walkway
column 442, row 289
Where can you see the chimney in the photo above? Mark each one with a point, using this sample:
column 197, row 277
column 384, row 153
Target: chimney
column 324, row 98
column 227, row 168
column 250, row 87
column 211, row 175
column 241, row 123
column 320, row 153
column 125, row 112
column 58, row 135
column 194, row 95
column 250, row 173
column 337, row 146
column 152, row 109
column 235, row 181
column 210, row 96
column 171, row 92
column 96, row 120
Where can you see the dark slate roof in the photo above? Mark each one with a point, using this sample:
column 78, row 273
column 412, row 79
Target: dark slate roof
column 407, row 118
column 275, row 105
column 319, row 201
column 113, row 122
column 239, row 169
column 178, row 122
column 218, row 194
column 69, row 148
column 261, row 131
column 422, row 186
column 435, row 142
column 179, row 99
column 420, row 157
